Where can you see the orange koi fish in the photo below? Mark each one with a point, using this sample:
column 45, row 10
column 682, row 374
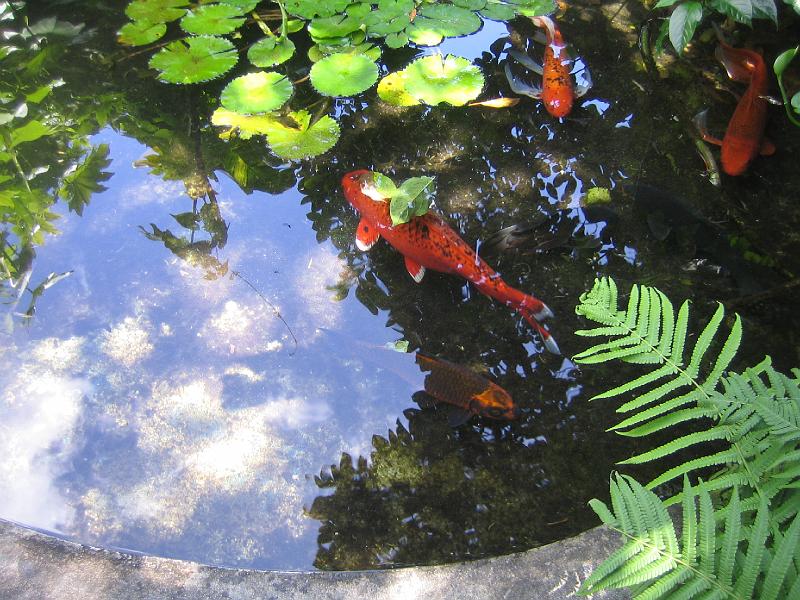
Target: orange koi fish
column 429, row 242
column 557, row 92
column 744, row 137
column 469, row 392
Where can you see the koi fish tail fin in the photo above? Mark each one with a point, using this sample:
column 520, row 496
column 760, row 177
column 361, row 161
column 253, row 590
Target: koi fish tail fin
column 547, row 24
column 549, row 341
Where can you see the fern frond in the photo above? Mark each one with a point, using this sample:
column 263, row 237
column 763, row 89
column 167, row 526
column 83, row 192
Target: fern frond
column 683, row 569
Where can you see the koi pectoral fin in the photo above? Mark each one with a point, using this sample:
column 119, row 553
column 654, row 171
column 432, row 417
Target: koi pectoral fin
column 700, row 121
column 767, row 148
column 366, row 236
column 523, row 89
column 416, row 270
column 526, row 61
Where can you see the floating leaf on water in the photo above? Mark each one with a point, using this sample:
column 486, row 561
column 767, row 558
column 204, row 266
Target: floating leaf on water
column 139, row 33
column 256, row 93
column 411, row 200
column 392, row 89
column 212, row 19
column 505, row 10
column 194, row 60
column 451, row 79
column 336, row 26
column 244, row 6
column 304, row 140
column 343, row 74
column 597, row 195
column 245, row 125
column 270, row 51
column 496, row 103
column 308, row 9
column 435, row 22
column 156, row 11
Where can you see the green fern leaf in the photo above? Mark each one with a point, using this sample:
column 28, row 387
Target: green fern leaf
column 785, row 550
column 681, row 443
column 668, row 420
column 755, row 552
column 730, row 541
column 646, row 379
column 704, row 340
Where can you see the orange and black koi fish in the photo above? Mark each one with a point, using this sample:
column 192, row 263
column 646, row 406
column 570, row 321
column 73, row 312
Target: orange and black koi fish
column 744, row 137
column 557, row 92
column 429, row 242
column 469, row 392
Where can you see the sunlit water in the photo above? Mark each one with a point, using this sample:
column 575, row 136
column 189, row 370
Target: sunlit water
column 149, row 405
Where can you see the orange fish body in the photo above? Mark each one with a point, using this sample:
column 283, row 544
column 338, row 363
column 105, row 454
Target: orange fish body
column 558, row 93
column 427, row 242
column 744, row 137
column 465, row 389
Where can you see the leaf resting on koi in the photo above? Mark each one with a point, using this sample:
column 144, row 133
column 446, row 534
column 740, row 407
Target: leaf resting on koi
column 470, row 393
column 427, row 242
column 557, row 92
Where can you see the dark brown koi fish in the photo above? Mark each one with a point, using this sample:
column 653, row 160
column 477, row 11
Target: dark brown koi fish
column 469, row 392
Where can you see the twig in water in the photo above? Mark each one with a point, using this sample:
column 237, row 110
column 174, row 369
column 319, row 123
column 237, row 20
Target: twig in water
column 272, row 306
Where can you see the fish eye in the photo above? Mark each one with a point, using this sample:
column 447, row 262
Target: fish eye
column 496, row 412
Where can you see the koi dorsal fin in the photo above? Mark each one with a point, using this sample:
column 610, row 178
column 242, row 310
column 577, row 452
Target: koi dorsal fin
column 416, row 270
column 367, row 235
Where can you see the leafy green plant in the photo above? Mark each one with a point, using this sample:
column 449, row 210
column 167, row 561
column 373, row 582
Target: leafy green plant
column 410, row 199
column 686, row 15
column 780, row 65
column 746, row 426
column 434, row 80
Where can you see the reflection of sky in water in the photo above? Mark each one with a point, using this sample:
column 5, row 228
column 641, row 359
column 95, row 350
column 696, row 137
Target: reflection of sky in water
column 150, row 408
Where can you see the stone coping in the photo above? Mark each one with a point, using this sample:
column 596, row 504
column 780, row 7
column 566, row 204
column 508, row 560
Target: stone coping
column 37, row 566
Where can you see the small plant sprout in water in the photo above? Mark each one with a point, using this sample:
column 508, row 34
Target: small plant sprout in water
column 411, row 199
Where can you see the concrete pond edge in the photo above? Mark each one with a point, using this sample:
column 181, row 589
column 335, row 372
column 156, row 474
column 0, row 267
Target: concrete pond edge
column 37, row 566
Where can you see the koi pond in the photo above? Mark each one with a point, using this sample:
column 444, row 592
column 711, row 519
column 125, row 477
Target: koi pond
column 199, row 362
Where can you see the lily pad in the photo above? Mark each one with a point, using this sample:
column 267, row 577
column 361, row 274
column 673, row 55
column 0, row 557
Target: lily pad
column 194, row 60
column 245, row 125
column 332, row 27
column 256, row 93
column 505, row 10
column 270, row 51
column 139, row 33
column 434, row 22
column 244, row 6
column 212, row 19
column 343, row 74
column 451, row 79
column 392, row 89
column 156, row 11
column 305, row 139
column 308, row 9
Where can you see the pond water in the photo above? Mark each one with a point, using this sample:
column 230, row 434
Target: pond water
column 233, row 389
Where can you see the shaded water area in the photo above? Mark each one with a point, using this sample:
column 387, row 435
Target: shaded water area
column 155, row 401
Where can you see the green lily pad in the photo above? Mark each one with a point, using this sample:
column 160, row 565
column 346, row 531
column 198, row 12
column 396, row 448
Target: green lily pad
column 212, row 19
column 256, row 93
column 335, row 26
column 392, row 89
column 343, row 74
column 140, row 33
column 304, row 140
column 245, row 125
column 451, row 79
column 309, row 9
column 434, row 22
column 194, row 60
column 270, row 51
column 505, row 10
column 156, row 11
column 245, row 6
